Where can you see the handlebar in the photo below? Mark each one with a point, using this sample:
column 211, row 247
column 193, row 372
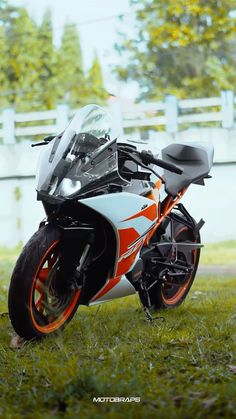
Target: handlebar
column 148, row 158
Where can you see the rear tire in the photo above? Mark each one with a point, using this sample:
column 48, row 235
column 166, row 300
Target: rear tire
column 167, row 296
column 34, row 307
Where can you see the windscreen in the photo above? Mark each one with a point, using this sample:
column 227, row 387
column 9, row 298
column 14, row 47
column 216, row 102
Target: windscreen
column 82, row 155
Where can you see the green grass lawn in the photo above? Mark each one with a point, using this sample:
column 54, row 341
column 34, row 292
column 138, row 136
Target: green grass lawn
column 223, row 253
column 180, row 365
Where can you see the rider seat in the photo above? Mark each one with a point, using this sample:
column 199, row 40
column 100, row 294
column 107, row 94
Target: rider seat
column 196, row 161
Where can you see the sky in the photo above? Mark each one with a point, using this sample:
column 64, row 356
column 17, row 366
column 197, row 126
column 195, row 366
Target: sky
column 97, row 27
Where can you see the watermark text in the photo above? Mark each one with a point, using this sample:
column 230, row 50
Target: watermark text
column 116, row 399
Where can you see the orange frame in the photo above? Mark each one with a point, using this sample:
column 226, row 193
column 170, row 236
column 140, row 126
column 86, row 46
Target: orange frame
column 170, row 203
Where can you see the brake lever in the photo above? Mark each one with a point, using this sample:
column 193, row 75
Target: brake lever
column 39, row 144
column 45, row 141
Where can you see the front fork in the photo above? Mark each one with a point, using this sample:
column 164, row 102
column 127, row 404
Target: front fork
column 75, row 247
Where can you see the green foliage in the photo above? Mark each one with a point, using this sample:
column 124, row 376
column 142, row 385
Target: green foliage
column 34, row 74
column 47, row 74
column 7, row 13
column 4, row 82
column 7, row 16
column 70, row 67
column 185, row 48
column 95, row 82
column 181, row 366
column 24, row 56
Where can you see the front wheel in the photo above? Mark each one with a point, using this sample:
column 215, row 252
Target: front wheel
column 35, row 308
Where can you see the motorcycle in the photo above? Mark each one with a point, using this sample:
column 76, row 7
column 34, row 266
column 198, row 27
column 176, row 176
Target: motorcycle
column 107, row 232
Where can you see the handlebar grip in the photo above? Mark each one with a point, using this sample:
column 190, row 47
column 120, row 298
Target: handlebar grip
column 168, row 166
column 149, row 158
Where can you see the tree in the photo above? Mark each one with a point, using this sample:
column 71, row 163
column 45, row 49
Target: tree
column 47, row 85
column 34, row 74
column 4, row 66
column 96, row 90
column 70, row 74
column 183, row 47
column 24, row 58
column 8, row 14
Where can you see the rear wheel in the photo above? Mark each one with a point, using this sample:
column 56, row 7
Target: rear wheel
column 173, row 291
column 35, row 307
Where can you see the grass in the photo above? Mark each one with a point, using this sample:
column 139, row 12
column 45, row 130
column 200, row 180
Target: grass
column 223, row 253
column 180, row 365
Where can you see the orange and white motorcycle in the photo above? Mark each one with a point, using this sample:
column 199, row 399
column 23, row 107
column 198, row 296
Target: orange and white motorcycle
column 107, row 234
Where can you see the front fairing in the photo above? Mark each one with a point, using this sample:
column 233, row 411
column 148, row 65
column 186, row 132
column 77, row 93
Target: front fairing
column 132, row 217
column 82, row 159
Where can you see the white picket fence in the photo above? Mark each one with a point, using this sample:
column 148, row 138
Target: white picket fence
column 20, row 213
column 170, row 116
column 171, row 113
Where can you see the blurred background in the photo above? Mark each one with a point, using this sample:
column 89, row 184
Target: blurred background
column 164, row 69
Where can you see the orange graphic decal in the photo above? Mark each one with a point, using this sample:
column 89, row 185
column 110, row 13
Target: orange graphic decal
column 149, row 212
column 126, row 237
column 125, row 264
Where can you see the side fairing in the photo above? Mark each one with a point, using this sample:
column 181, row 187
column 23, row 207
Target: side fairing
column 132, row 218
column 113, row 288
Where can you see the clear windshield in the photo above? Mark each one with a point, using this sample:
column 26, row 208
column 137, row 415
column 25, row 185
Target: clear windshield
column 82, row 155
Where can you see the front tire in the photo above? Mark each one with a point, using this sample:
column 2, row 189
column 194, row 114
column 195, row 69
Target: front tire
column 35, row 309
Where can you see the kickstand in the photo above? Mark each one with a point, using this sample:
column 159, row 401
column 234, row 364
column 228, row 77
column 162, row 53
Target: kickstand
column 148, row 314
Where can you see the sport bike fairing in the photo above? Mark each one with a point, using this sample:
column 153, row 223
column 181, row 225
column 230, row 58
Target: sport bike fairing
column 84, row 155
column 113, row 288
column 77, row 165
column 132, row 218
column 81, row 160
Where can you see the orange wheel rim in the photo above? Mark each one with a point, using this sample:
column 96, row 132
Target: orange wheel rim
column 42, row 272
column 181, row 289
